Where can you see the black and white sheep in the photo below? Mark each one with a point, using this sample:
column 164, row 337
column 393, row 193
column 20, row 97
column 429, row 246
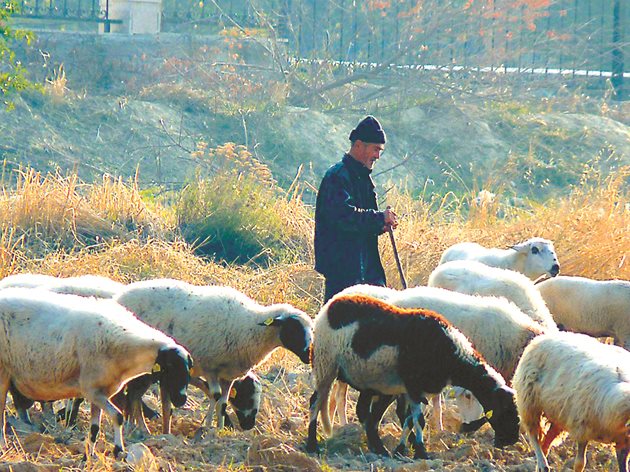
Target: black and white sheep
column 84, row 285
column 244, row 398
column 58, row 346
column 226, row 332
column 476, row 278
column 599, row 308
column 495, row 326
column 382, row 349
column 580, row 386
column 535, row 257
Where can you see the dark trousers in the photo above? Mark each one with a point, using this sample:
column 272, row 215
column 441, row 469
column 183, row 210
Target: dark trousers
column 333, row 287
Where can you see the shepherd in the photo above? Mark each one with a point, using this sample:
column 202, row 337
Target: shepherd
column 347, row 220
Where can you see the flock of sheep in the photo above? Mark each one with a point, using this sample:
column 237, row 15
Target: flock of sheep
column 522, row 355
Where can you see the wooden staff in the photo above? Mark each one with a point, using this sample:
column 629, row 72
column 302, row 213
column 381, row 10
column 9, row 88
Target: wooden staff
column 400, row 270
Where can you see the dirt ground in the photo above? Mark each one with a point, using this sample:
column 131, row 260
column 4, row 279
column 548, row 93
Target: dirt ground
column 277, row 442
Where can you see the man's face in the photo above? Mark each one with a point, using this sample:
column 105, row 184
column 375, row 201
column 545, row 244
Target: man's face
column 369, row 153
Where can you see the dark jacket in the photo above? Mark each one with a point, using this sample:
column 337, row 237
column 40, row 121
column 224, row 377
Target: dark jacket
column 347, row 226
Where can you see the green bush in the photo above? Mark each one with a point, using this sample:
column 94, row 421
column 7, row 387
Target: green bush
column 230, row 215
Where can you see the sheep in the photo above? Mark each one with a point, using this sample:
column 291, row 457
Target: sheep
column 496, row 327
column 534, row 258
column 596, row 307
column 581, row 386
column 475, row 278
column 84, row 285
column 245, row 400
column 27, row 280
column 244, row 397
column 226, row 332
column 379, row 348
column 57, row 346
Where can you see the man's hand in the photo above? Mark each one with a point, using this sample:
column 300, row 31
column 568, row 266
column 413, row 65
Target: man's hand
column 391, row 219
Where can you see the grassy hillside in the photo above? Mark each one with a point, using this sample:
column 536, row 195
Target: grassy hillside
column 523, row 147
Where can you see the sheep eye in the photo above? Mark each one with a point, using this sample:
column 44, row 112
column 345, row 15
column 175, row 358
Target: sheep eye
column 535, row 250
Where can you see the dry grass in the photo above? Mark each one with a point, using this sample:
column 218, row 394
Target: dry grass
column 59, row 226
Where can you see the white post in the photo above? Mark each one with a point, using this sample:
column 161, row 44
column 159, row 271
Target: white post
column 138, row 16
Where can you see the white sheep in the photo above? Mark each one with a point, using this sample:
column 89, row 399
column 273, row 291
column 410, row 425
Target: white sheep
column 226, row 332
column 379, row 348
column 27, row 280
column 58, row 346
column 495, row 326
column 84, row 285
column 596, row 307
column 580, row 386
column 535, row 257
column 476, row 278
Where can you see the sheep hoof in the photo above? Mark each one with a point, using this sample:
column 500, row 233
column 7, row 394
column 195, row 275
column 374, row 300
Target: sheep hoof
column 119, row 453
column 380, row 450
column 420, row 452
column 401, row 451
column 312, row 447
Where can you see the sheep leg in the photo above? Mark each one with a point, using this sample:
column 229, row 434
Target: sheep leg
column 436, row 414
column 48, row 414
column 202, row 385
column 221, row 405
column 373, row 419
column 622, row 458
column 402, row 414
column 130, row 403
column 4, row 388
column 552, row 434
column 318, row 400
column 99, row 403
column 338, row 401
column 580, row 457
column 364, row 403
column 406, row 422
column 215, row 395
column 95, row 424
column 532, row 425
column 21, row 404
column 418, row 424
column 69, row 413
column 71, row 416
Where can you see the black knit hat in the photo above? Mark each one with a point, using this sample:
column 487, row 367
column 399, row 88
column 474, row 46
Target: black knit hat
column 369, row 130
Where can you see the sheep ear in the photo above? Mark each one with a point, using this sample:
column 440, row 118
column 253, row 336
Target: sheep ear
column 272, row 321
column 520, row 247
